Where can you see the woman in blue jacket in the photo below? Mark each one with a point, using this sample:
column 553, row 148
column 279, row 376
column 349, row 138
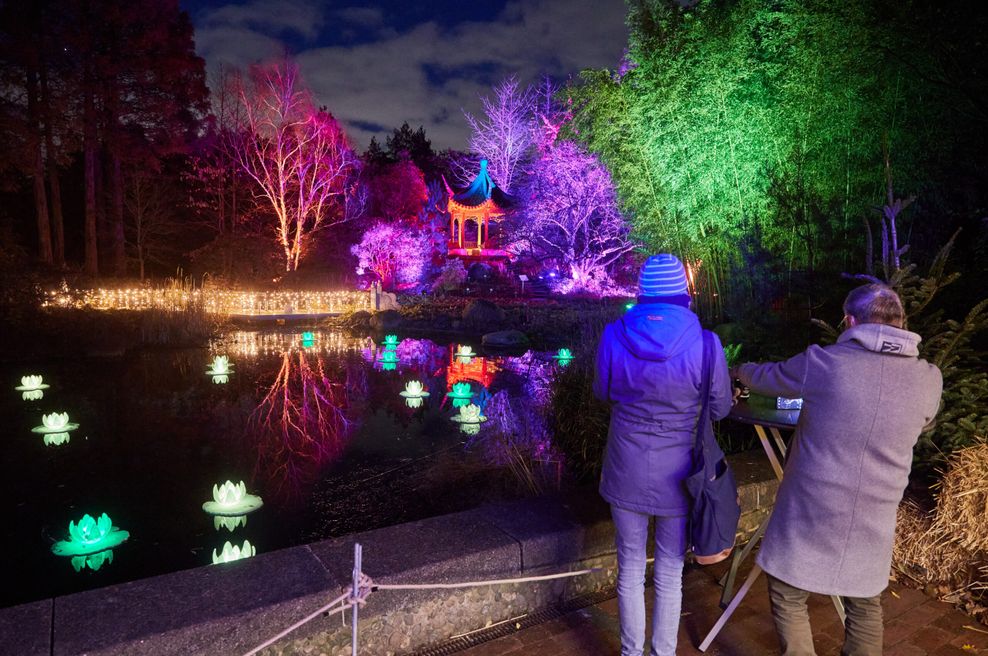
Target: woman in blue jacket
column 649, row 368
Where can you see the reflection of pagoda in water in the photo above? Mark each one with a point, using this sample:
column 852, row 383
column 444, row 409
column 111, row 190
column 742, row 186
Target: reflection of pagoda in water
column 477, row 369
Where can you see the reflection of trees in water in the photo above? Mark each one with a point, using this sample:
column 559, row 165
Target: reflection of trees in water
column 304, row 419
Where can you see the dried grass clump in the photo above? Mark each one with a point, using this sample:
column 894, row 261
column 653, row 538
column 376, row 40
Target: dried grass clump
column 947, row 549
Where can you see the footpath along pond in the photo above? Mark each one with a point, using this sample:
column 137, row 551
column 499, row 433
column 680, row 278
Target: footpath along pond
column 329, row 434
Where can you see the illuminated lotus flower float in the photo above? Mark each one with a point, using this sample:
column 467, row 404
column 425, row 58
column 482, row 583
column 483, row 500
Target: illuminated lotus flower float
column 220, row 369
column 55, row 427
column 32, row 388
column 308, row 340
column 460, row 394
column 90, row 536
column 389, row 360
column 563, row 357
column 391, row 342
column 464, row 354
column 469, row 419
column 231, row 500
column 414, row 393
column 232, row 552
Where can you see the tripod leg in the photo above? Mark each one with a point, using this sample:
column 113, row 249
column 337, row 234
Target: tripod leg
column 726, row 615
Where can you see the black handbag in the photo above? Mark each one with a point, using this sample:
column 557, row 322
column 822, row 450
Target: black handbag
column 714, row 508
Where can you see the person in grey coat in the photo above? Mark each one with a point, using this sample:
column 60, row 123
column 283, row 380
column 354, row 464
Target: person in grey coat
column 648, row 368
column 866, row 399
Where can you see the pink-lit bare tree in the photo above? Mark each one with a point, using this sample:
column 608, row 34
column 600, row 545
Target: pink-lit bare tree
column 396, row 252
column 571, row 215
column 297, row 155
column 506, row 134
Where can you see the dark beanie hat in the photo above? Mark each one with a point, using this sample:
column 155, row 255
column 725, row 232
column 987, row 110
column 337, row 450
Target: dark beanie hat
column 662, row 275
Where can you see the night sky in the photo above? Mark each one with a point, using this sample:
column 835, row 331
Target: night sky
column 377, row 64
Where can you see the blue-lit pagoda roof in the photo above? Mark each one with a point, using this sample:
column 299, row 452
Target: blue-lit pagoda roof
column 482, row 189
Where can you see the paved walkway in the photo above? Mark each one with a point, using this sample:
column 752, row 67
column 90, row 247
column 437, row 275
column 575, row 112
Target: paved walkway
column 915, row 625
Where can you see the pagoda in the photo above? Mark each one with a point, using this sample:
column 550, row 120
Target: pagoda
column 475, row 215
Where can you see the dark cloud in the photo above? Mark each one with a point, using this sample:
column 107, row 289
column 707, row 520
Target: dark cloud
column 374, row 75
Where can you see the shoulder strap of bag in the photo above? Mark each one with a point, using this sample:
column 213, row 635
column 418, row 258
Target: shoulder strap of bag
column 706, row 367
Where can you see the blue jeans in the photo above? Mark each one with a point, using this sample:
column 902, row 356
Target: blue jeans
column 670, row 552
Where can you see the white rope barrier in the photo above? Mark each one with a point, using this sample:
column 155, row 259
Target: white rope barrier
column 365, row 586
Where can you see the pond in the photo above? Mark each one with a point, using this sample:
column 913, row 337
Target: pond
column 313, row 422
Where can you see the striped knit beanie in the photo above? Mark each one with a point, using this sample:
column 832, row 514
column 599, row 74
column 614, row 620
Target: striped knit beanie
column 662, row 275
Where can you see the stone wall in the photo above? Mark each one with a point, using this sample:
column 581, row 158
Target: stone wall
column 231, row 609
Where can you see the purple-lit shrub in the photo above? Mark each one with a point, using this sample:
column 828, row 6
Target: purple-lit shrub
column 395, row 252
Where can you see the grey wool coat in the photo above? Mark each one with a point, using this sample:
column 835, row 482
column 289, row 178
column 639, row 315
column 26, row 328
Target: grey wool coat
column 866, row 399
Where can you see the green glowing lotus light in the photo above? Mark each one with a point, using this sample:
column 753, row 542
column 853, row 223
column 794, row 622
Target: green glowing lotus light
column 629, row 306
column 388, row 366
column 220, row 366
column 232, row 552
column 90, row 536
column 56, row 422
column 230, row 523
column 460, row 391
column 230, row 500
column 308, row 337
column 56, row 439
column 414, row 402
column 563, row 357
column 389, row 356
column 31, row 384
column 414, row 389
column 33, row 395
column 390, row 341
column 92, row 561
column 469, row 414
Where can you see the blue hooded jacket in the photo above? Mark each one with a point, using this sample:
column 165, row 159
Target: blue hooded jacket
column 649, row 365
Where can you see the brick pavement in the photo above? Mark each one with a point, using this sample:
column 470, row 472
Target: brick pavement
column 915, row 625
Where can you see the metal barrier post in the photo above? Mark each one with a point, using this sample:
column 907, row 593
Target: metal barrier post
column 357, row 553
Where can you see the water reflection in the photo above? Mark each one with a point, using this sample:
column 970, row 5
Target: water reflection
column 229, row 523
column 304, row 418
column 92, row 561
column 33, row 395
column 232, row 552
column 56, row 439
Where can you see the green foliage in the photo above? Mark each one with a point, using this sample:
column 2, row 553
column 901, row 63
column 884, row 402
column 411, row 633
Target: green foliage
column 731, row 353
column 720, row 99
column 948, row 344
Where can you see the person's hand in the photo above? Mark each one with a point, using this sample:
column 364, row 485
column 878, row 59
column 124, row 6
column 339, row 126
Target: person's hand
column 734, row 396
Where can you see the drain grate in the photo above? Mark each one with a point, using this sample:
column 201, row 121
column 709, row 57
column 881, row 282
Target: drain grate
column 461, row 643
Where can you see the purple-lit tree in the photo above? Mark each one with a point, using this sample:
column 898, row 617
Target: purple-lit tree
column 297, row 155
column 507, row 132
column 395, row 252
column 570, row 214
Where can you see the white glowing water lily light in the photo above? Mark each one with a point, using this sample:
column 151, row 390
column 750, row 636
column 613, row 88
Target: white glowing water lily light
column 414, row 389
column 464, row 353
column 232, row 552
column 31, row 384
column 56, row 422
column 469, row 414
column 230, row 500
column 220, row 366
column 90, row 536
